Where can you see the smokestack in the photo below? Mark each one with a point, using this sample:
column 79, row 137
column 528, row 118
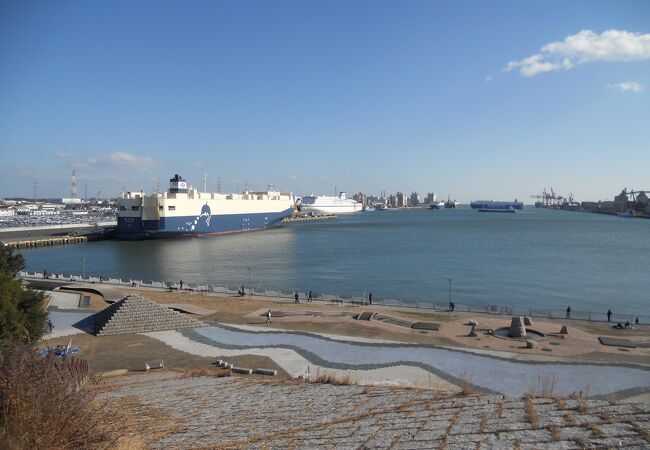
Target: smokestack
column 73, row 193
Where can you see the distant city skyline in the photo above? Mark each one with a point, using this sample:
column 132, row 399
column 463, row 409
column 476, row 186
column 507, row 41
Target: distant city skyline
column 465, row 99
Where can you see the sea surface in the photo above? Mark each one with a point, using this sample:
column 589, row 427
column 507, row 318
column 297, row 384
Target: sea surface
column 538, row 259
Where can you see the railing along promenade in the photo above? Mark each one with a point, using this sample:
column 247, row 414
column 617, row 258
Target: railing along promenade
column 438, row 306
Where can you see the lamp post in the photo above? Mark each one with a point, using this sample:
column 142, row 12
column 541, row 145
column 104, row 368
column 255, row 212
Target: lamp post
column 249, row 283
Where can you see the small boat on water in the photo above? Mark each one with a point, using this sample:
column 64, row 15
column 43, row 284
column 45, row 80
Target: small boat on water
column 381, row 207
column 627, row 214
column 436, row 205
column 451, row 204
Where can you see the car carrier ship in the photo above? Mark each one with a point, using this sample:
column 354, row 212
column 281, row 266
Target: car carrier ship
column 184, row 211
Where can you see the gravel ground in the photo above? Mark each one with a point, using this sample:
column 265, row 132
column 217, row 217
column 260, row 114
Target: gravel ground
column 180, row 411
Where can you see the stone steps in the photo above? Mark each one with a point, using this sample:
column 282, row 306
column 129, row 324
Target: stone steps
column 134, row 314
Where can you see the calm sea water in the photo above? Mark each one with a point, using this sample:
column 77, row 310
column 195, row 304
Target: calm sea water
column 538, row 259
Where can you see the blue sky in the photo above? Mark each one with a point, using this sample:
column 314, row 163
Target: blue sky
column 471, row 99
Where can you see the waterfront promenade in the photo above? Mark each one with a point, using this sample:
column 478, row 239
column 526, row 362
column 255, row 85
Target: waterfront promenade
column 304, row 338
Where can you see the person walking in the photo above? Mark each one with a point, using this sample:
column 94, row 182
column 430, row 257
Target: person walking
column 181, row 284
column 568, row 312
column 609, row 315
column 451, row 307
column 310, row 296
column 268, row 316
column 370, row 298
column 295, row 296
column 50, row 325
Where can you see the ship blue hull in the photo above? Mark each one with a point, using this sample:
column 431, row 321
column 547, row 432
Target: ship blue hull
column 167, row 227
column 489, row 204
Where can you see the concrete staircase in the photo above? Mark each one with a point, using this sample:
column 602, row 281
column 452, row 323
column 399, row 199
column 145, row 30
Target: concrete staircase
column 134, row 314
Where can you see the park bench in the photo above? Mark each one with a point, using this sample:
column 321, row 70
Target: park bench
column 154, row 364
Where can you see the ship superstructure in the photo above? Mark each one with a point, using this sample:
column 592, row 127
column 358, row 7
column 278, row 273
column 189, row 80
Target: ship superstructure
column 184, row 211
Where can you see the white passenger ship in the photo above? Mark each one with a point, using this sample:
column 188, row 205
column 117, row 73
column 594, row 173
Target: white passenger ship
column 323, row 204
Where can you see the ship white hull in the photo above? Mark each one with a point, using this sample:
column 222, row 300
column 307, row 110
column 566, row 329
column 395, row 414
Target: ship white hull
column 195, row 213
column 331, row 209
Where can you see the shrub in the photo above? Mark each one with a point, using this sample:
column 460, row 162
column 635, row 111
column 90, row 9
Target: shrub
column 49, row 403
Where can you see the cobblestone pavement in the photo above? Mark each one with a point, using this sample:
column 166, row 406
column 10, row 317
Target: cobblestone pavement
column 239, row 412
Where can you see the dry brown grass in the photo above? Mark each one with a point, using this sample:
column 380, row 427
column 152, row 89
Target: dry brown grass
column 645, row 434
column 46, row 404
column 580, row 441
column 192, row 373
column 542, row 385
column 517, row 444
column 530, row 411
column 500, row 409
column 454, row 421
column 484, row 420
column 607, row 416
column 555, row 432
column 559, row 401
column 331, row 377
column 569, row 420
column 613, row 398
column 130, row 443
column 465, row 383
column 593, row 426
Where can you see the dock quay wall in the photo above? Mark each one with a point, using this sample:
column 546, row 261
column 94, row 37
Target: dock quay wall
column 22, row 237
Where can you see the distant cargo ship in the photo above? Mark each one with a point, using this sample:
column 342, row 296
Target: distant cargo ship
column 184, row 211
column 323, row 204
column 491, row 204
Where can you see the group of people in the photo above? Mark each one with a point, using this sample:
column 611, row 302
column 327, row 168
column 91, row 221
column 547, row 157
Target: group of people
column 628, row 324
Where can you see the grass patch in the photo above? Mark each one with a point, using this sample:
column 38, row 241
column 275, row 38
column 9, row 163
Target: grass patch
column 645, row 434
column 332, row 377
column 555, row 432
column 530, row 411
column 569, row 420
column 192, row 373
column 593, row 426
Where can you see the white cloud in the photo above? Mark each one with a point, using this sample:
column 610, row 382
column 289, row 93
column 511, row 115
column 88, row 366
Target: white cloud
column 584, row 47
column 487, row 79
column 627, row 86
column 124, row 159
column 292, row 177
column 115, row 159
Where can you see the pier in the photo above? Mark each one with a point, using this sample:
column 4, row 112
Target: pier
column 315, row 218
column 60, row 234
column 45, row 242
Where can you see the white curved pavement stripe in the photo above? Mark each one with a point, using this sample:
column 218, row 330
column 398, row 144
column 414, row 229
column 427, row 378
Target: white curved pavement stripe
column 335, row 337
column 495, row 374
column 296, row 365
